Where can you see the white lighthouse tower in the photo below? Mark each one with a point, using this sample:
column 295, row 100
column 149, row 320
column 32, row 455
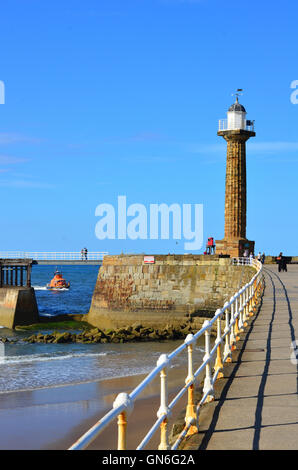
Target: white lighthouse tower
column 236, row 118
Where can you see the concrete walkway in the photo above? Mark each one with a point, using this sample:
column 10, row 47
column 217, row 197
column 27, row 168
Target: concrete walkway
column 257, row 407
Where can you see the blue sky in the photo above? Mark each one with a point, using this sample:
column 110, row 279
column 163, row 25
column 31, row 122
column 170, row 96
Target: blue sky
column 122, row 97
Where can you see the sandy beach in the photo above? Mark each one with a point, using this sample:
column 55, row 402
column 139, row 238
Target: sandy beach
column 53, row 418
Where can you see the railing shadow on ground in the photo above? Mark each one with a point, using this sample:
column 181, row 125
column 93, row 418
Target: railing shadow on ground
column 290, row 322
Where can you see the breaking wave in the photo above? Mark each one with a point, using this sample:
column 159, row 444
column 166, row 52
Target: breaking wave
column 45, row 357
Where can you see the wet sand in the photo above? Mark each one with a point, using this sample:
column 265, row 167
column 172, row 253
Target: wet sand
column 53, row 418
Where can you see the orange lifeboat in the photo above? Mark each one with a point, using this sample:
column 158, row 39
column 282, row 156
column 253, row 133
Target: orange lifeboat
column 58, row 282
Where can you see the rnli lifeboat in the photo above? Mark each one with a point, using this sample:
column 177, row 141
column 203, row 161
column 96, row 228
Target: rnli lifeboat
column 58, row 282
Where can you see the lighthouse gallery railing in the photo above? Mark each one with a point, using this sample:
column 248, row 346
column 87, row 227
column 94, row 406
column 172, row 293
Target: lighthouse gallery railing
column 224, row 126
column 235, row 314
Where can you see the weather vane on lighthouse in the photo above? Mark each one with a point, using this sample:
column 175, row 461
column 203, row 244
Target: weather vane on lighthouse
column 238, row 93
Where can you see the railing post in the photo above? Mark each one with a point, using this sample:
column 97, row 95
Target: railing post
column 240, row 309
column 250, row 309
column 254, row 296
column 218, row 363
column 122, row 424
column 227, row 350
column 247, row 301
column 191, row 413
column 237, row 331
column 122, row 399
column 28, row 282
column 163, row 409
column 232, row 335
column 244, row 308
column 208, row 386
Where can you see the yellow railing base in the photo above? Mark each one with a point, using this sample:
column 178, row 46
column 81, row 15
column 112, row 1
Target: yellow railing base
column 209, row 399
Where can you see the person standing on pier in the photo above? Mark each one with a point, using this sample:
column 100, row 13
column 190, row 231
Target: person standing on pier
column 282, row 263
column 210, row 248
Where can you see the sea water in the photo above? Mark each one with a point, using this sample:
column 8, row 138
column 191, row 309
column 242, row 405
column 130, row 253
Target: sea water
column 25, row 366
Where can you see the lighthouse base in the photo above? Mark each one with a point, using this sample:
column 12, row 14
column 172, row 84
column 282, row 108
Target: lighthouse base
column 234, row 247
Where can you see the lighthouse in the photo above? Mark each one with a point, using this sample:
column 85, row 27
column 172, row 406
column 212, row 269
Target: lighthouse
column 236, row 130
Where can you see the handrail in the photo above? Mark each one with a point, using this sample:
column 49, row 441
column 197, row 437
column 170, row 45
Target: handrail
column 244, row 260
column 235, row 314
column 54, row 255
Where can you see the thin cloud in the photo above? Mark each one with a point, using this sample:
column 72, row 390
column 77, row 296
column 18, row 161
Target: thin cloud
column 23, row 183
column 9, row 160
column 139, row 137
column 13, row 138
column 269, row 147
column 145, row 137
column 156, row 159
column 205, row 148
column 273, row 147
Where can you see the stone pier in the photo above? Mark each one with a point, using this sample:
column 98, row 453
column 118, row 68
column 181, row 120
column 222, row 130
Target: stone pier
column 171, row 290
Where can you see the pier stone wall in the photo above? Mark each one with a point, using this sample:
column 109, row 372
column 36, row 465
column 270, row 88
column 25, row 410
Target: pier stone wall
column 170, row 291
column 18, row 306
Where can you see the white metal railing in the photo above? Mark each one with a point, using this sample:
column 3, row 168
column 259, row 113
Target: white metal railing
column 235, row 314
column 245, row 260
column 53, row 255
column 223, row 126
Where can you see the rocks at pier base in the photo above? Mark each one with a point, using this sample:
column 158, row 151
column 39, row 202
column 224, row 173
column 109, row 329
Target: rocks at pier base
column 136, row 333
column 6, row 340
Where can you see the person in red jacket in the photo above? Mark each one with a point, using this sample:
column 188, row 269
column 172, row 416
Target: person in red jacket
column 210, row 247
